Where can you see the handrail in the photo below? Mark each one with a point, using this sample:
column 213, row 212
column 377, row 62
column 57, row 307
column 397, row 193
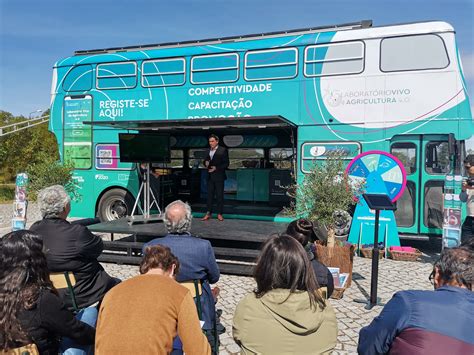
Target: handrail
column 18, row 126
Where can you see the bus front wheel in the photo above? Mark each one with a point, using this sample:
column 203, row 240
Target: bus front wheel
column 114, row 204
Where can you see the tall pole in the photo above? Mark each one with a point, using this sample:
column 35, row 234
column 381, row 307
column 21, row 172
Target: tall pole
column 146, row 213
column 375, row 263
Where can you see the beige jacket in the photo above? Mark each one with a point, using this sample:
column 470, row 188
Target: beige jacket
column 276, row 325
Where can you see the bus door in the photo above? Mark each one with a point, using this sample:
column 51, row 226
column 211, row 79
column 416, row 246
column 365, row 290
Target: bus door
column 426, row 161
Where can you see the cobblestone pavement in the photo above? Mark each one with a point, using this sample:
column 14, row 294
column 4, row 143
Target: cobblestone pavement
column 393, row 276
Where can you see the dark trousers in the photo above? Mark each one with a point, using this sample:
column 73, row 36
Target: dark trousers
column 467, row 231
column 215, row 187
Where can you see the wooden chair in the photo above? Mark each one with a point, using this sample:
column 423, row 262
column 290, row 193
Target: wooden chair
column 65, row 280
column 195, row 287
column 29, row 349
column 324, row 292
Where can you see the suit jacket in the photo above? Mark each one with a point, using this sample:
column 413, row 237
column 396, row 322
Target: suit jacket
column 220, row 160
column 197, row 262
column 72, row 247
column 422, row 322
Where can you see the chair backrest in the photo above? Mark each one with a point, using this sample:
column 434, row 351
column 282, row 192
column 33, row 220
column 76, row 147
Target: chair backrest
column 65, row 280
column 29, row 349
column 324, row 292
column 195, row 287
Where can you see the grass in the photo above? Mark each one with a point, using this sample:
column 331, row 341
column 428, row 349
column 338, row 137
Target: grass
column 7, row 192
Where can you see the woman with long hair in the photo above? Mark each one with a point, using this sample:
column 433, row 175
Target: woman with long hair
column 285, row 314
column 302, row 230
column 30, row 309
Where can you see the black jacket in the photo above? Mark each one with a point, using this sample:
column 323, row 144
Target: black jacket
column 72, row 247
column 323, row 276
column 221, row 161
column 49, row 320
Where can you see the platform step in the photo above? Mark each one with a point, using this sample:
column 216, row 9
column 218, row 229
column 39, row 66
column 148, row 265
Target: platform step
column 234, row 268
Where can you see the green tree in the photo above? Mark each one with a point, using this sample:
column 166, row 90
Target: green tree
column 324, row 190
column 23, row 148
column 47, row 171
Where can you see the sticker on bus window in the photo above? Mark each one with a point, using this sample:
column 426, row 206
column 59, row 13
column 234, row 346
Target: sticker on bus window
column 107, row 157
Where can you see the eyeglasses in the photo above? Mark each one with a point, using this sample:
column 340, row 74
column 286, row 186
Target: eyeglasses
column 431, row 277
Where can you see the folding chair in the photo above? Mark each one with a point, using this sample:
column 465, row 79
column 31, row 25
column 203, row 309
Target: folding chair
column 65, row 280
column 29, row 349
column 324, row 292
column 195, row 287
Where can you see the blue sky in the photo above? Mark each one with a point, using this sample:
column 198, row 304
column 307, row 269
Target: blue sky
column 35, row 34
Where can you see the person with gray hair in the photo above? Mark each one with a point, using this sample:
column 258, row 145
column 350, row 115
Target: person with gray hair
column 54, row 202
column 195, row 256
column 178, row 217
column 429, row 322
column 73, row 248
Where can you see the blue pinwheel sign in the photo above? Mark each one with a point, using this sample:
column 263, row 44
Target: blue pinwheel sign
column 381, row 173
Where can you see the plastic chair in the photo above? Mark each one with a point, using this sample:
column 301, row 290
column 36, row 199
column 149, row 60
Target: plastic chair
column 29, row 349
column 65, row 280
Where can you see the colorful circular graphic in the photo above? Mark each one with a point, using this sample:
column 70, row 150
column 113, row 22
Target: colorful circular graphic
column 382, row 172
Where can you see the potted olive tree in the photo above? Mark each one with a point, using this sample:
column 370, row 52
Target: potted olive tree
column 325, row 190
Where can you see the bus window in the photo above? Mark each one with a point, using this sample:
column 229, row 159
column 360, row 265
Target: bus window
column 281, row 157
column 196, row 158
column 405, row 212
column 177, row 157
column 77, row 145
column 163, row 72
column 271, row 64
column 406, row 152
column 107, row 157
column 79, row 78
column 419, row 52
column 215, row 68
column 117, row 75
column 245, row 157
column 334, row 59
column 437, row 158
column 433, row 209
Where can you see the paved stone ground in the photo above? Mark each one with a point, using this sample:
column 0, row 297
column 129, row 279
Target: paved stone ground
column 393, row 276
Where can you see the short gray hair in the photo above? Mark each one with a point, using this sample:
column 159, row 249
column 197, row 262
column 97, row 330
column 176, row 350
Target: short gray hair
column 53, row 201
column 178, row 217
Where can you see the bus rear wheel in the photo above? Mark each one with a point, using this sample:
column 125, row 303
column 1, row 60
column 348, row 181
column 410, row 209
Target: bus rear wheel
column 115, row 204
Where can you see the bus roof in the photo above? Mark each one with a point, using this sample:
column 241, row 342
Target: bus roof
column 340, row 27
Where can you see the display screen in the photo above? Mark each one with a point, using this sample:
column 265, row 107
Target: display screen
column 144, row 147
column 378, row 201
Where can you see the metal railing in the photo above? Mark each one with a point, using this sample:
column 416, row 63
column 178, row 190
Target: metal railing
column 26, row 123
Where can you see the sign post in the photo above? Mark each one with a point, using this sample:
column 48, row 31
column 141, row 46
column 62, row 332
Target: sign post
column 21, row 203
column 377, row 202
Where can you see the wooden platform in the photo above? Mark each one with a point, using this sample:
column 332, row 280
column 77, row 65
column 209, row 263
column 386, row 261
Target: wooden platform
column 236, row 243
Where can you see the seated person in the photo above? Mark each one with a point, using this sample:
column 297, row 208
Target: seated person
column 429, row 322
column 302, row 231
column 285, row 314
column 195, row 255
column 163, row 309
column 72, row 247
column 32, row 312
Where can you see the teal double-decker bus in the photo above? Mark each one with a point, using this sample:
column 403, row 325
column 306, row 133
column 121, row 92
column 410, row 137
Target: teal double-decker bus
column 279, row 101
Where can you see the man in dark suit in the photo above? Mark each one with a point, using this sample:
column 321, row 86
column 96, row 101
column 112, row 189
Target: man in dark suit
column 217, row 162
column 196, row 257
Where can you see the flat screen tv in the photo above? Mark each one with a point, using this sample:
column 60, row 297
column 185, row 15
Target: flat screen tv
column 144, row 147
